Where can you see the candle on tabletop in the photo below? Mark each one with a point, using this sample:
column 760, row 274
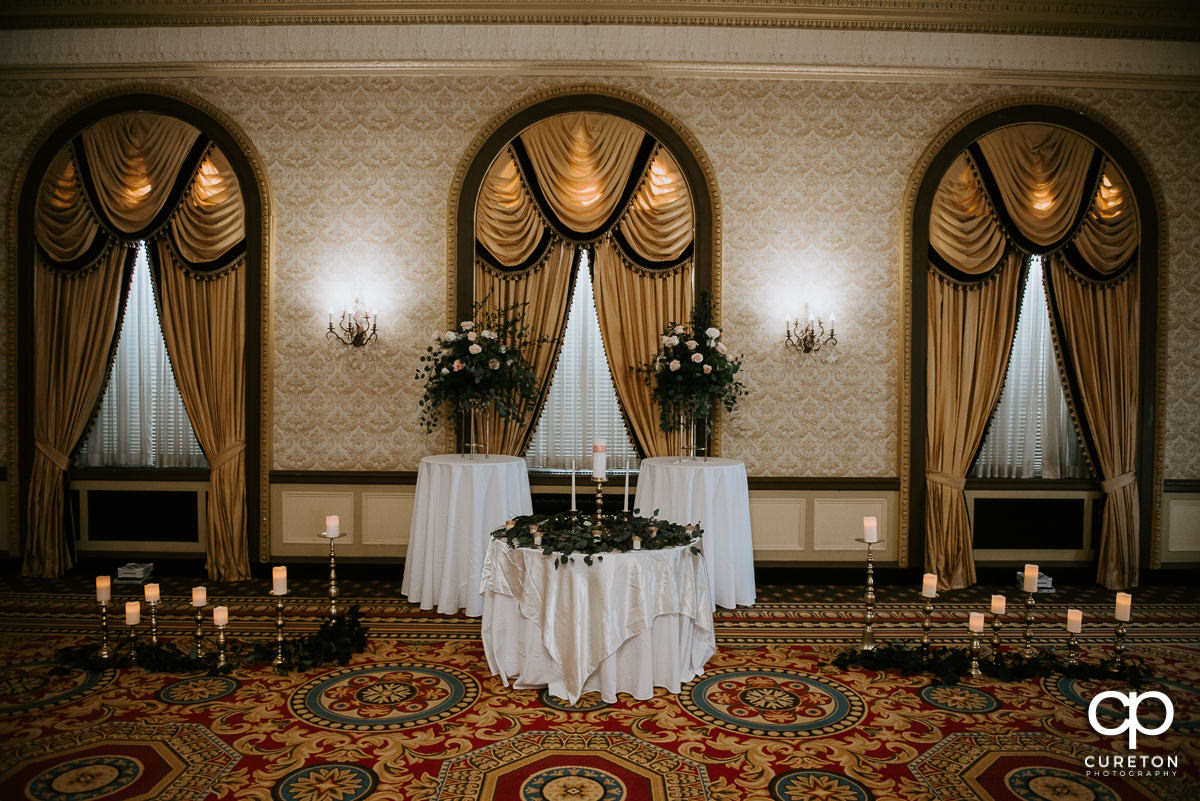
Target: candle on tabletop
column 279, row 580
column 1031, row 578
column 637, row 543
column 573, row 507
column 333, row 526
column 1124, row 603
column 199, row 596
column 152, row 595
column 626, row 508
column 133, row 613
column 221, row 616
column 508, row 524
column 871, row 529
column 998, row 604
column 975, row 623
column 103, row 588
column 1074, row 621
column 929, row 585
column 600, row 458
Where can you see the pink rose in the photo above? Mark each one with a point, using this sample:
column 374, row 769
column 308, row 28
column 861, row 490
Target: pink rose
column 674, row 365
column 721, row 347
column 697, row 357
column 475, row 349
column 494, row 364
column 458, row 365
column 692, row 344
column 707, row 369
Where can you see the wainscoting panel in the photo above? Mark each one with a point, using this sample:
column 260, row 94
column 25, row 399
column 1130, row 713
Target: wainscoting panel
column 837, row 522
column 1181, row 527
column 778, row 525
column 820, row 525
column 375, row 519
column 303, row 511
column 386, row 517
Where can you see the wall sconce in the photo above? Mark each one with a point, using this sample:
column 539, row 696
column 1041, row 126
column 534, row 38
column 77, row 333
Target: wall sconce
column 354, row 328
column 807, row 334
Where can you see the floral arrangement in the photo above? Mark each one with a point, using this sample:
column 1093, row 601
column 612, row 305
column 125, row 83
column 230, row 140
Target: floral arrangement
column 484, row 362
column 563, row 534
column 694, row 372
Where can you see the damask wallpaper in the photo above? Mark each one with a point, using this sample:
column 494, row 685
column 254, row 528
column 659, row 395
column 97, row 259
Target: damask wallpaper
column 812, row 177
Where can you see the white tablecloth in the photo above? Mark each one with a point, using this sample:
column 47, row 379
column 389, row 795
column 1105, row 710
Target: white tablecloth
column 627, row 623
column 459, row 502
column 714, row 495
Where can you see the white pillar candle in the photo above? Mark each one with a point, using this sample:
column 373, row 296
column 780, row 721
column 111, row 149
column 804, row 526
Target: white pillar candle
column 152, row 595
column 133, row 613
column 279, row 580
column 999, row 602
column 333, row 526
column 573, row 506
column 600, row 458
column 871, row 529
column 103, row 589
column 1074, row 621
column 929, row 585
column 221, row 616
column 975, row 622
column 537, row 539
column 199, row 596
column 1031, row 577
column 626, row 507
column 1124, row 603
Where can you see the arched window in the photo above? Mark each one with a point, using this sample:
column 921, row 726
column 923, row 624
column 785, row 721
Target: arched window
column 588, row 178
column 1046, row 182
column 126, row 170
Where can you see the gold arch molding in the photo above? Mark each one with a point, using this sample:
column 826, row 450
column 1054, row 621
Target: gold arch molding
column 72, row 115
column 916, row 179
column 563, row 95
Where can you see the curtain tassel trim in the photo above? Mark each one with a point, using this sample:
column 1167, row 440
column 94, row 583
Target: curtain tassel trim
column 1116, row 482
column 56, row 457
column 947, row 480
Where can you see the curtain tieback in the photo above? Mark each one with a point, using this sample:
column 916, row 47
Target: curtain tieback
column 227, row 455
column 1116, row 482
column 57, row 457
column 947, row 480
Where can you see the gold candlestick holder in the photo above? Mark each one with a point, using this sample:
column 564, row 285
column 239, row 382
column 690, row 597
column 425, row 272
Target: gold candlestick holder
column 198, row 634
column 1028, row 651
column 154, row 622
column 221, row 661
column 333, row 586
column 974, row 670
column 997, row 624
column 1119, row 645
column 132, row 639
column 868, row 635
column 926, row 624
column 599, row 498
column 278, row 629
column 105, row 652
column 1072, row 649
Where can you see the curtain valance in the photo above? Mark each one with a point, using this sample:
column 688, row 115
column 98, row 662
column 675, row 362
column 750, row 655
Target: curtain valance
column 1033, row 188
column 582, row 177
column 140, row 176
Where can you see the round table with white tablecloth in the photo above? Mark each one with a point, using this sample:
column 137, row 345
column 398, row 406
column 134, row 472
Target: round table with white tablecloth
column 712, row 493
column 459, row 501
column 628, row 622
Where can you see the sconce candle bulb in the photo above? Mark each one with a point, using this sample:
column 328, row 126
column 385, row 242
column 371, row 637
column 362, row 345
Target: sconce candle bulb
column 354, row 328
column 807, row 333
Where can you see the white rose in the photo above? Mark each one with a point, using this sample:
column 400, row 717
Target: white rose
column 467, row 325
column 673, row 341
column 503, row 349
column 666, row 340
column 475, row 349
column 445, row 371
column 674, row 365
column 712, row 333
column 658, row 365
column 692, row 344
column 679, row 329
column 486, row 334
column 471, row 335
column 721, row 347
column 451, row 336
column 707, row 369
column 697, row 357
column 494, row 364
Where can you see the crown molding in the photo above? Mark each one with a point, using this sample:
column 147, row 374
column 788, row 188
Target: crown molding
column 1138, row 19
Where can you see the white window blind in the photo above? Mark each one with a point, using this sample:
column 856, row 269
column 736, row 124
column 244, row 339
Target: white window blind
column 141, row 422
column 1031, row 434
column 582, row 404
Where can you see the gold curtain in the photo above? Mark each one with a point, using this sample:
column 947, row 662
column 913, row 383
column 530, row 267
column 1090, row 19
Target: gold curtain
column 634, row 307
column 137, row 164
column 1111, row 231
column 962, row 227
column 75, row 322
column 547, row 290
column 582, row 164
column 1095, row 322
column 971, row 329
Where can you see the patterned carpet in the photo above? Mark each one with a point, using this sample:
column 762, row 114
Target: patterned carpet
column 417, row 716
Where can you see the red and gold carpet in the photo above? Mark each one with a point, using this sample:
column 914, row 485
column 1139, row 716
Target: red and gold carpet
column 417, row 716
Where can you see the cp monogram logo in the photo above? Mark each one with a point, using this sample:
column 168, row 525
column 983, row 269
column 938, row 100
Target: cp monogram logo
column 1131, row 723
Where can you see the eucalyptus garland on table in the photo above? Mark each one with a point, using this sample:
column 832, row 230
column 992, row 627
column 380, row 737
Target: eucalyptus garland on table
column 564, row 536
column 694, row 372
column 485, row 361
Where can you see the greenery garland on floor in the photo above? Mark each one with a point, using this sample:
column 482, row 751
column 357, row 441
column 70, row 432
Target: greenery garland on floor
column 563, row 534
column 335, row 642
column 948, row 665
